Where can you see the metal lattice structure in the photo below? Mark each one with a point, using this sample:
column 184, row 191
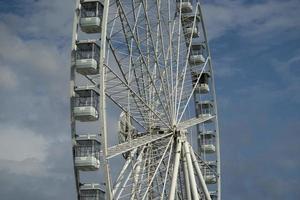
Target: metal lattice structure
column 150, row 60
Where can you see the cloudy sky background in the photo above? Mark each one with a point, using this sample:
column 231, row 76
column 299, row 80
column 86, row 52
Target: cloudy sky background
column 256, row 51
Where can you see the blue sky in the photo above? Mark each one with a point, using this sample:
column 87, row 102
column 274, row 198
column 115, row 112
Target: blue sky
column 256, row 52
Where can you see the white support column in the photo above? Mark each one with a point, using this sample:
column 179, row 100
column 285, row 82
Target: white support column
column 167, row 173
column 191, row 171
column 200, row 176
column 175, row 170
column 186, row 178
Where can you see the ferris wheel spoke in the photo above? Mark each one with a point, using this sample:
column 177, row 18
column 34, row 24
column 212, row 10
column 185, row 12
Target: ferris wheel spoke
column 136, row 176
column 159, row 37
column 167, row 175
column 116, row 101
column 121, row 175
column 184, row 70
column 194, row 121
column 139, row 101
column 129, row 44
column 142, row 181
column 125, row 182
column 125, row 24
column 159, row 152
column 135, row 143
column 193, row 90
column 169, row 59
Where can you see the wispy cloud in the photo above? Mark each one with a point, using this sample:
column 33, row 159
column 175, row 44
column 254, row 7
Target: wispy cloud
column 27, row 144
column 51, row 20
column 263, row 19
column 8, row 79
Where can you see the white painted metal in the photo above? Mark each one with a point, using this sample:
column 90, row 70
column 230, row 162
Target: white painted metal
column 195, row 121
column 90, row 21
column 151, row 69
column 200, row 176
column 196, row 59
column 87, row 155
column 186, row 178
column 191, row 171
column 91, row 191
column 90, row 24
column 102, row 101
column 87, row 163
column 121, row 174
column 86, row 66
column 85, row 113
column 134, row 144
column 218, row 156
column 208, row 148
column 186, row 6
column 172, row 193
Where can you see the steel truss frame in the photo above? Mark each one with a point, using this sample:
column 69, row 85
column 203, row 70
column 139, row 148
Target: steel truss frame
column 144, row 70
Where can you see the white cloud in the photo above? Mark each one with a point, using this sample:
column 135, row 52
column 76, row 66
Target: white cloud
column 261, row 19
column 8, row 79
column 43, row 19
column 38, row 55
column 19, row 144
column 25, row 152
column 22, row 151
column 288, row 71
column 31, row 167
column 287, row 67
column 33, row 60
column 226, row 67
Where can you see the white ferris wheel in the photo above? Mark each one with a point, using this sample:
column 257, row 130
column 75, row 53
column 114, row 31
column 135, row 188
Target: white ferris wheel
column 148, row 64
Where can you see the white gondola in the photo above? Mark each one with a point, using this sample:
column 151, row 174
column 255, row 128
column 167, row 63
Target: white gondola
column 185, row 5
column 197, row 53
column 205, row 109
column 87, row 153
column 207, row 141
column 209, row 173
column 86, row 104
column 203, row 83
column 210, row 179
column 91, row 191
column 189, row 27
column 87, row 57
column 91, row 16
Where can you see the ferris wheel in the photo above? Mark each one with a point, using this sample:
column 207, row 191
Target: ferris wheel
column 144, row 121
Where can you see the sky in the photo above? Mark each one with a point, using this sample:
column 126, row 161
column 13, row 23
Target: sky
column 256, row 55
